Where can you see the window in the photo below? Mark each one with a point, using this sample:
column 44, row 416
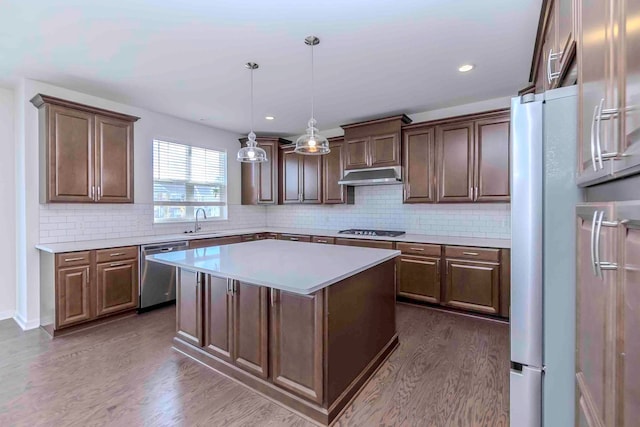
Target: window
column 186, row 178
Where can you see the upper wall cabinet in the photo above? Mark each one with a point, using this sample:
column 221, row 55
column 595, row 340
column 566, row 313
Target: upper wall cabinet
column 86, row 153
column 260, row 180
column 458, row 160
column 555, row 47
column 332, row 171
column 609, row 90
column 375, row 143
column 300, row 177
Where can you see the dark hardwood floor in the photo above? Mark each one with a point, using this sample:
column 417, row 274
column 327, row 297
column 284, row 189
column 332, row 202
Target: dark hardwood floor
column 449, row 370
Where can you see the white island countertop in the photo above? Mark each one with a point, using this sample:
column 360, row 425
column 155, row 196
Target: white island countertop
column 298, row 267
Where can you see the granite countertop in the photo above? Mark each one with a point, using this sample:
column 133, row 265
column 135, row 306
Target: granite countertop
column 84, row 245
column 298, row 267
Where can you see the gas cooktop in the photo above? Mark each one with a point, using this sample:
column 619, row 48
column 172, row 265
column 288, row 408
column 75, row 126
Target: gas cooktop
column 379, row 233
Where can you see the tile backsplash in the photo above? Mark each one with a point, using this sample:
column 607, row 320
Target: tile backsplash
column 381, row 207
column 378, row 207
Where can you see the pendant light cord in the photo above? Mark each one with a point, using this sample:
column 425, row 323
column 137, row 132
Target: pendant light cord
column 251, row 99
column 312, row 81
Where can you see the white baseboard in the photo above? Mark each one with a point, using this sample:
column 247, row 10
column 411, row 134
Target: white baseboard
column 7, row 314
column 26, row 325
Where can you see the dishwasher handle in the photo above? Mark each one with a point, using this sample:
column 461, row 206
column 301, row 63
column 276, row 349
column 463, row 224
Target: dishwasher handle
column 165, row 247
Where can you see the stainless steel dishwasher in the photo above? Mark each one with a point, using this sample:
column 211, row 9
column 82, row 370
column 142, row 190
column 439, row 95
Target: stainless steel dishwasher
column 157, row 281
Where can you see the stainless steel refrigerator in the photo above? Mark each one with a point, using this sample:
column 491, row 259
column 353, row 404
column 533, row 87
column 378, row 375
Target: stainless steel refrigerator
column 543, row 200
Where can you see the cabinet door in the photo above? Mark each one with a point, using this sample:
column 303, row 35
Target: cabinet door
column 377, row 244
column 596, row 81
column 218, row 318
column 419, row 278
column 385, row 150
column 311, row 179
column 70, row 155
column 549, row 48
column 630, row 81
column 566, row 24
column 250, row 327
column 116, row 286
column 595, row 325
column 629, row 315
column 114, row 160
column 73, row 295
column 333, row 165
column 492, row 160
column 189, row 306
column 291, row 191
column 455, row 160
column 357, row 153
column 473, row 286
column 267, row 175
column 296, row 343
column 419, row 165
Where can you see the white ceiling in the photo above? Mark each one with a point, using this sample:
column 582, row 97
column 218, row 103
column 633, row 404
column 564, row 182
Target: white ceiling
column 186, row 57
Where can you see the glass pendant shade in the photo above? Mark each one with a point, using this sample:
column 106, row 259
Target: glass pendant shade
column 312, row 143
column 252, row 153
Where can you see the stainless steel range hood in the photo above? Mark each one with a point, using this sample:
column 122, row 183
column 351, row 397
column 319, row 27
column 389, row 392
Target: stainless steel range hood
column 373, row 176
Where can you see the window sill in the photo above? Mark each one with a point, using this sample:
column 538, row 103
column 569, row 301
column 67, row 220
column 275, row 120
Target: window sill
column 192, row 221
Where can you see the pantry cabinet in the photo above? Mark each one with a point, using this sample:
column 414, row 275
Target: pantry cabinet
column 86, row 153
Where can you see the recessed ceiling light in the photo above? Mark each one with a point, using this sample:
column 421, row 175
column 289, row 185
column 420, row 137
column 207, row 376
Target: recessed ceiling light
column 465, row 68
column 269, row 118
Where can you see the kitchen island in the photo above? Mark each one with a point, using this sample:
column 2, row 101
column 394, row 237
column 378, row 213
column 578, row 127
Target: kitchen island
column 304, row 324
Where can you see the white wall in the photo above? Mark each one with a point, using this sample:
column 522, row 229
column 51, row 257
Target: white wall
column 151, row 125
column 7, row 213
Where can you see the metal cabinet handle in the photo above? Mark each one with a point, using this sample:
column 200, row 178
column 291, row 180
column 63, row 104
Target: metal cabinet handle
column 293, row 239
column 593, row 138
column 321, row 241
column 117, row 254
column 73, row 259
column 470, row 253
column 476, row 196
column 117, row 264
column 93, row 188
column 552, row 75
column 598, row 129
column 274, row 299
column 166, row 249
column 86, row 277
column 99, row 192
column 229, row 287
column 416, row 249
column 602, row 265
column 593, row 244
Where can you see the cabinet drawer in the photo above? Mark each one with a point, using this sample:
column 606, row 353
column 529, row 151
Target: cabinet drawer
column 250, row 237
column 464, row 252
column 295, row 237
column 115, row 254
column 419, row 249
column 69, row 259
column 271, row 236
column 376, row 244
column 325, row 240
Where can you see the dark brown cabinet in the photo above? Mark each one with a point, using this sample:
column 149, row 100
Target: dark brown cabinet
column 492, row 154
column 214, row 241
column 473, row 158
column 301, row 177
column 419, row 278
column 333, row 165
column 116, row 286
column 73, row 295
column 472, row 285
column 364, row 243
column 325, row 240
column 418, row 146
column 260, row 180
column 86, row 153
column 251, row 328
column 88, row 285
column 294, row 237
column 374, row 143
column 218, row 318
column 455, row 146
column 189, row 306
column 297, row 343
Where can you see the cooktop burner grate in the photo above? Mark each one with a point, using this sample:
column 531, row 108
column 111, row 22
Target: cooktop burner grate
column 378, row 233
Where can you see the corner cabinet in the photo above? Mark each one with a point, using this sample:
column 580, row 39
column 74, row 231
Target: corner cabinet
column 260, row 180
column 375, row 143
column 86, row 153
column 300, row 177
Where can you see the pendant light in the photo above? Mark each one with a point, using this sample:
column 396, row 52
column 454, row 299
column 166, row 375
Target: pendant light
column 312, row 143
column 252, row 153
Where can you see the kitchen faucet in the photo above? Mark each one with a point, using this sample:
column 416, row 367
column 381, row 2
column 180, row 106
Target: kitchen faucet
column 197, row 226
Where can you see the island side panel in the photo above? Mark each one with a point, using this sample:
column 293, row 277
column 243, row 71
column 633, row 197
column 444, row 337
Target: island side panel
column 360, row 324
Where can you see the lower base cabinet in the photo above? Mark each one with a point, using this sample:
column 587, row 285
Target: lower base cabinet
column 419, row 278
column 473, row 286
column 296, row 342
column 80, row 287
column 189, row 306
column 250, row 327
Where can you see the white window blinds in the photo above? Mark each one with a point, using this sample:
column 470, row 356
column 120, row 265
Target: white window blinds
column 186, row 178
